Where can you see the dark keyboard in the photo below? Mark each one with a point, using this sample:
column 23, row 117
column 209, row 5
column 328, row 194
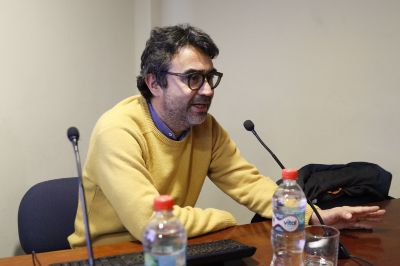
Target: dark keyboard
column 206, row 253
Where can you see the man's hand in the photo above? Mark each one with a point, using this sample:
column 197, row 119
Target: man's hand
column 359, row 217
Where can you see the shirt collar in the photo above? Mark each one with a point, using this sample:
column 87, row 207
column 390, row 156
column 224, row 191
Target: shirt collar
column 162, row 126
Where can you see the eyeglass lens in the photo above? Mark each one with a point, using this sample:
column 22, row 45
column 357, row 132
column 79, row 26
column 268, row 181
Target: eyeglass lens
column 196, row 80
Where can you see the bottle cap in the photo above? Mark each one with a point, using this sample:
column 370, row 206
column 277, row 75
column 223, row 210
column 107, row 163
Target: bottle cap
column 289, row 174
column 163, row 203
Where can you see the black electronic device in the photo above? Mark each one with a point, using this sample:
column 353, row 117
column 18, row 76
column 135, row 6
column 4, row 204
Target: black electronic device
column 206, row 253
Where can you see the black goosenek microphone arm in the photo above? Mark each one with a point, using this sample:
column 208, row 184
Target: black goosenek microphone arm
column 73, row 136
column 249, row 126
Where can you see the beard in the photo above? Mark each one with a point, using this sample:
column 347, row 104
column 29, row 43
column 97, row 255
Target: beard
column 181, row 116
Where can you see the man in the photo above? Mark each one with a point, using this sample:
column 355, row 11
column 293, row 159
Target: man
column 165, row 142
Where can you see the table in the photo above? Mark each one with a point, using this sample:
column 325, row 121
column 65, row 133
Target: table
column 379, row 246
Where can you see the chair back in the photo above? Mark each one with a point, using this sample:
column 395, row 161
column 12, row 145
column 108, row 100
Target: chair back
column 46, row 215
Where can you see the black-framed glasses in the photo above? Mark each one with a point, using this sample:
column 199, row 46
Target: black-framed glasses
column 195, row 79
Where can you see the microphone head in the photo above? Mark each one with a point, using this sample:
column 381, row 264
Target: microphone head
column 248, row 125
column 73, row 134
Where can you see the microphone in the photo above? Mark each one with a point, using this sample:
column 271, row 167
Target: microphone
column 73, row 136
column 249, row 126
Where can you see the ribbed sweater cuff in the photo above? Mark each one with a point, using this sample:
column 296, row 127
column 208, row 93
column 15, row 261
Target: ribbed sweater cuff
column 309, row 212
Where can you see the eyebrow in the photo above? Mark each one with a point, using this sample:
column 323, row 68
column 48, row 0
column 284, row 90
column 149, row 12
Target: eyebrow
column 191, row 70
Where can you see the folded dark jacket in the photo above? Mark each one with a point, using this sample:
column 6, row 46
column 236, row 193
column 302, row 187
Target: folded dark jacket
column 344, row 184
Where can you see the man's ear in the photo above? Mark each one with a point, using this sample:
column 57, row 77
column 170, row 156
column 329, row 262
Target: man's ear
column 152, row 84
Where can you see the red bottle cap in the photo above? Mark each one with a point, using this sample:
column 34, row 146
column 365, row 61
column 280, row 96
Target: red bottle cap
column 163, row 203
column 289, row 174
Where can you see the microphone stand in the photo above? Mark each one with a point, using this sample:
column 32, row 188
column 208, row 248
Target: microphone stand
column 73, row 135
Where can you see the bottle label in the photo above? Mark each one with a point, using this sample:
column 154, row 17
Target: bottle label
column 177, row 258
column 288, row 223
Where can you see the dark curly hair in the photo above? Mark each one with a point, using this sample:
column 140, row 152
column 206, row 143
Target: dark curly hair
column 163, row 44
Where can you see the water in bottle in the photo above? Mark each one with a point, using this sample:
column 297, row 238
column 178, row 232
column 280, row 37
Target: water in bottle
column 287, row 236
column 164, row 239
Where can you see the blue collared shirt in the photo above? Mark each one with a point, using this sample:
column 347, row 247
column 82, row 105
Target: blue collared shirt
column 162, row 126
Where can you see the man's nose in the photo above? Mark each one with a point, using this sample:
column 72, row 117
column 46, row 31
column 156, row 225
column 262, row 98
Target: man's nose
column 206, row 89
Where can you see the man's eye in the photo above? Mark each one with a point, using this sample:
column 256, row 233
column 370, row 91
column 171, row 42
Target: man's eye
column 196, row 78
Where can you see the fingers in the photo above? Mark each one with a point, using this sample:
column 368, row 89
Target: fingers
column 367, row 219
column 362, row 217
column 371, row 216
column 361, row 209
column 359, row 217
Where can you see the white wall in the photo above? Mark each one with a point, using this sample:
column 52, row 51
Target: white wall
column 62, row 63
column 318, row 78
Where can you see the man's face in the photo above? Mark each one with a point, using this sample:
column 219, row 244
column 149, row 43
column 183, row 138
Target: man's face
column 179, row 106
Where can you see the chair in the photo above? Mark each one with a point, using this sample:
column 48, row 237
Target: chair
column 46, row 215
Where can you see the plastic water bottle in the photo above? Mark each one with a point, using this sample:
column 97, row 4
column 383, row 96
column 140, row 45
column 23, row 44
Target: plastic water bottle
column 288, row 236
column 164, row 239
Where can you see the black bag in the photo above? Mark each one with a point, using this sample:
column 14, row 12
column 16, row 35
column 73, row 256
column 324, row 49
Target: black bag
column 350, row 184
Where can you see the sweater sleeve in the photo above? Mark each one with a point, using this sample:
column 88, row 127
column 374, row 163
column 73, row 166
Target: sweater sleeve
column 240, row 179
column 237, row 177
column 119, row 168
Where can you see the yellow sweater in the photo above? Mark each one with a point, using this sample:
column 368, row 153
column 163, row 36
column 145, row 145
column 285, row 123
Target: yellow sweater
column 130, row 162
